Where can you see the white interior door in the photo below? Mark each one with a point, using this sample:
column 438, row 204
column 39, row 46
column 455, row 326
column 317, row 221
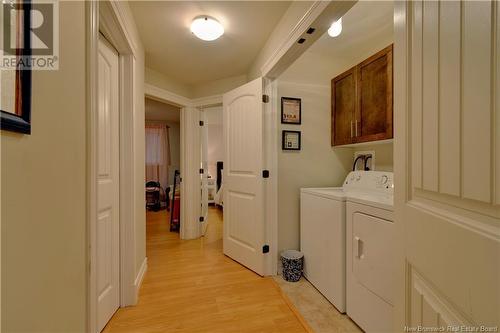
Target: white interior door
column 447, row 162
column 108, row 297
column 243, row 185
column 204, row 175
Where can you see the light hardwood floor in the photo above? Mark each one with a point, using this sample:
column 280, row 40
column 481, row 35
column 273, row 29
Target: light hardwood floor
column 192, row 287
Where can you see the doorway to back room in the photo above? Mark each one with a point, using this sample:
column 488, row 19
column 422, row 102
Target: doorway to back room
column 162, row 139
column 212, row 165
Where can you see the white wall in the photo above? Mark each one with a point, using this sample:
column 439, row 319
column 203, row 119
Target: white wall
column 213, row 117
column 44, row 192
column 317, row 164
column 367, row 29
column 161, row 80
column 218, row 87
column 383, row 155
column 205, row 89
column 44, row 204
column 174, row 135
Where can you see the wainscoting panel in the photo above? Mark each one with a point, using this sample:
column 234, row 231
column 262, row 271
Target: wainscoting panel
column 454, row 88
column 447, row 162
column 429, row 308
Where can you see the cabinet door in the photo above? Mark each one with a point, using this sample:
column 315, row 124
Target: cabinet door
column 343, row 107
column 373, row 120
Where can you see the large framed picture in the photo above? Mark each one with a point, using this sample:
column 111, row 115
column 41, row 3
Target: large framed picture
column 291, row 110
column 15, row 83
column 290, row 140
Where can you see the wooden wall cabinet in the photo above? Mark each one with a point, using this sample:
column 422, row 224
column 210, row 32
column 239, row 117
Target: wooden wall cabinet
column 362, row 101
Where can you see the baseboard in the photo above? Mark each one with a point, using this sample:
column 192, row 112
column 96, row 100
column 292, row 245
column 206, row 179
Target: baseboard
column 140, row 275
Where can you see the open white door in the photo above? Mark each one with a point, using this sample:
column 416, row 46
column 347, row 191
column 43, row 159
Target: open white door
column 447, row 164
column 243, row 184
column 108, row 191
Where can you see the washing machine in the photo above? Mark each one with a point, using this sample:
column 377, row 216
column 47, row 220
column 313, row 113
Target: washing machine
column 322, row 241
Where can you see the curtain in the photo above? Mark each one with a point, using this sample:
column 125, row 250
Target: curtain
column 157, row 154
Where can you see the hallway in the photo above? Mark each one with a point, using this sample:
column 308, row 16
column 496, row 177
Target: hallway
column 190, row 286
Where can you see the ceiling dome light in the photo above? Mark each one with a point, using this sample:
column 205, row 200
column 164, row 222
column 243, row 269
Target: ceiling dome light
column 335, row 28
column 207, row 28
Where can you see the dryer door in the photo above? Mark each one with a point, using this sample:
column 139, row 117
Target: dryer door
column 372, row 254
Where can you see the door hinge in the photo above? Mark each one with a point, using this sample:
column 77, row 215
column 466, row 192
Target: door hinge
column 265, row 173
column 202, row 171
column 202, row 219
column 265, row 249
column 265, row 98
column 202, row 123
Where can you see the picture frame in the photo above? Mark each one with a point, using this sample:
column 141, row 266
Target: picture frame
column 17, row 117
column 290, row 140
column 291, row 110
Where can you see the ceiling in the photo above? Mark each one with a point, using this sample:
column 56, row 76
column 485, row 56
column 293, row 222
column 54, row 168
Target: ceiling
column 159, row 111
column 173, row 50
column 364, row 22
column 366, row 28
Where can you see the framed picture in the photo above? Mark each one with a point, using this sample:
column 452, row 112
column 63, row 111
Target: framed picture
column 290, row 140
column 291, row 110
column 15, row 83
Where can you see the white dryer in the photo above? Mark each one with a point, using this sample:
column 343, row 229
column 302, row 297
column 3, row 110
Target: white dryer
column 370, row 255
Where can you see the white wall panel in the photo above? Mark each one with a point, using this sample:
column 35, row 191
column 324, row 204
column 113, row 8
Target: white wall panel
column 428, row 307
column 476, row 90
column 448, row 213
column 449, row 97
column 430, row 98
column 416, row 116
column 454, row 89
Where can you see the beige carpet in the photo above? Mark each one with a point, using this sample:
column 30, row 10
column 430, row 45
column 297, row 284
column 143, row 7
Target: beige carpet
column 320, row 314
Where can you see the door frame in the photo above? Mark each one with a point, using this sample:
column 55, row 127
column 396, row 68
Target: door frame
column 400, row 149
column 271, row 142
column 189, row 221
column 189, row 156
column 106, row 17
column 204, row 138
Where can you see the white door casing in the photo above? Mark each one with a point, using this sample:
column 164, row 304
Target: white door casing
column 108, row 191
column 204, row 175
column 447, row 163
column 244, row 230
column 190, row 173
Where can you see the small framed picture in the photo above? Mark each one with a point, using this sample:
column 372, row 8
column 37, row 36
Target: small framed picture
column 290, row 140
column 291, row 110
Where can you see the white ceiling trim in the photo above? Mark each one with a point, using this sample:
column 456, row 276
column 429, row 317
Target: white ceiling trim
column 163, row 95
column 302, row 25
column 320, row 15
column 166, row 96
column 205, row 102
column 125, row 20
